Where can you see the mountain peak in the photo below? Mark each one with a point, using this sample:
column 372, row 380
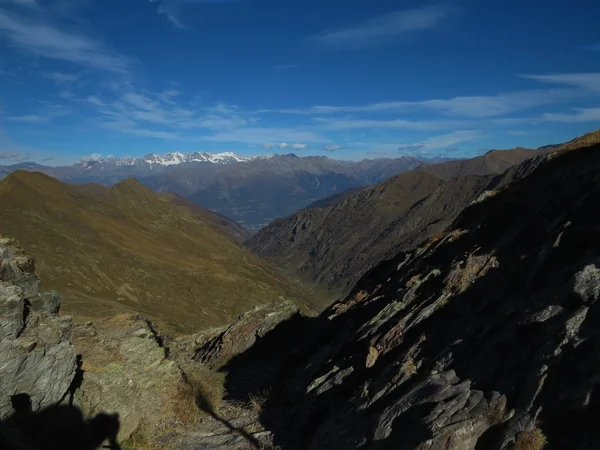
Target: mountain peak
column 171, row 159
column 131, row 185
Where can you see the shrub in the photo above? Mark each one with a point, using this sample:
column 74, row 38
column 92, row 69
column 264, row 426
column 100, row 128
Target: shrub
column 531, row 440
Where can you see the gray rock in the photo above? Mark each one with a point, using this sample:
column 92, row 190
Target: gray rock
column 12, row 306
column 36, row 357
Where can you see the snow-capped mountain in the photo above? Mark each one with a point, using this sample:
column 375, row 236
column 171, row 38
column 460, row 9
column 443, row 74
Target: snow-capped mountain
column 174, row 158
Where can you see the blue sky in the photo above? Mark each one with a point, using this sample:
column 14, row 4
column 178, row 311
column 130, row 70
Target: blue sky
column 349, row 79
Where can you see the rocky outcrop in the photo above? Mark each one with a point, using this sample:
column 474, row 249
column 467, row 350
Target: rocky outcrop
column 483, row 337
column 215, row 347
column 36, row 357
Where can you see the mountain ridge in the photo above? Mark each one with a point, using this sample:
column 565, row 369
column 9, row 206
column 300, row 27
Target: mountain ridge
column 252, row 192
column 336, row 243
column 131, row 250
column 484, row 337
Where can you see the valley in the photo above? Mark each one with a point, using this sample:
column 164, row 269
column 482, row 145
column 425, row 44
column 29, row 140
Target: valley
column 250, row 191
column 458, row 326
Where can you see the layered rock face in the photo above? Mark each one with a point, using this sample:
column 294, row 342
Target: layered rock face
column 485, row 337
column 36, row 357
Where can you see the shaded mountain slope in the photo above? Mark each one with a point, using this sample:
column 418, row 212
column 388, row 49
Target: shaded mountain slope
column 493, row 162
column 335, row 245
column 334, row 199
column 485, row 337
column 127, row 249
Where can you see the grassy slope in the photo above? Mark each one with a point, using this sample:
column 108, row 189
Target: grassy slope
column 130, row 250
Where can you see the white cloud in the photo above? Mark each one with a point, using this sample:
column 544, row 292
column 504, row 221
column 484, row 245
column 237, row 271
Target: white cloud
column 283, row 145
column 450, row 139
column 30, row 118
column 299, row 146
column 130, row 128
column 578, row 115
column 588, row 81
column 332, row 148
column 425, row 125
column 46, row 40
column 260, row 135
column 60, row 77
column 373, row 30
column 47, row 110
column 467, row 106
column 268, row 146
column 168, row 96
column 170, row 11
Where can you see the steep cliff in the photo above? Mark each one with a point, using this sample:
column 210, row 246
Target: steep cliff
column 483, row 337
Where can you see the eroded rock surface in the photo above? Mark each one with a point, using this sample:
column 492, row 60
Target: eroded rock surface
column 486, row 337
column 36, row 357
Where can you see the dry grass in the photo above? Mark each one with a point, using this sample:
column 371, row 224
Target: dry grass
column 257, row 402
column 464, row 273
column 531, row 440
column 409, row 367
column 207, row 387
column 127, row 250
column 139, row 440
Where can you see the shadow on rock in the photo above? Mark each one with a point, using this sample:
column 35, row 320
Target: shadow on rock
column 252, row 373
column 58, row 427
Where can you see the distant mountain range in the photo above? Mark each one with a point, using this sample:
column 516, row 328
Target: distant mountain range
column 252, row 191
column 173, row 158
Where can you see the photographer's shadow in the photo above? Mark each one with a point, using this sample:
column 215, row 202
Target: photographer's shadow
column 58, row 427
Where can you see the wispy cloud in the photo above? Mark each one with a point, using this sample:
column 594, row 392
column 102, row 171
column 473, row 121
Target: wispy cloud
column 30, row 3
column 589, row 81
column 160, row 116
column 424, row 125
column 578, row 115
column 411, row 148
column 30, row 118
column 467, row 106
column 285, row 145
column 332, row 148
column 170, row 11
column 44, row 39
column 374, row 30
column 453, row 138
column 49, row 111
column 61, row 77
column 10, row 155
column 260, row 135
column 445, row 141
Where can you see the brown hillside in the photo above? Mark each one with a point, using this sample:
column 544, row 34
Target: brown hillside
column 130, row 250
